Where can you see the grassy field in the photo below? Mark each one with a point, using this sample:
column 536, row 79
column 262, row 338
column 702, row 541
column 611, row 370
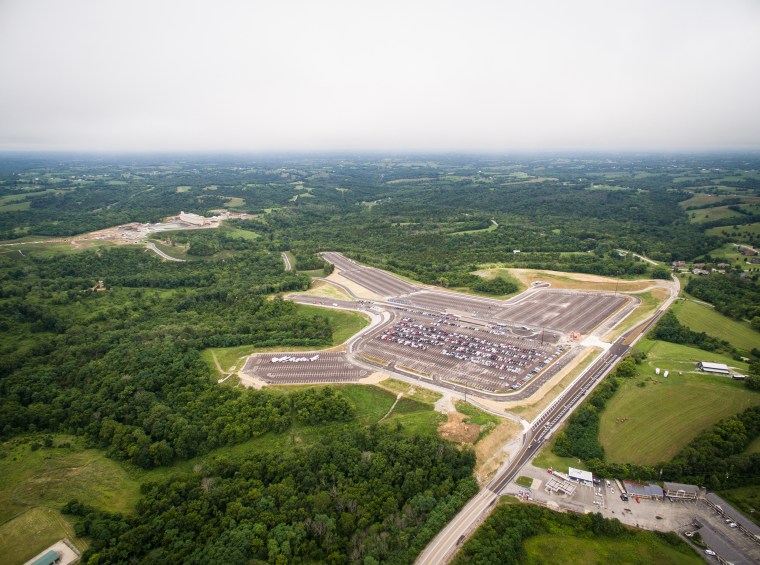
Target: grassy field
column 651, row 418
column 492, row 227
column 729, row 253
column 49, row 250
column 702, row 318
column 700, row 200
column 416, row 417
column 327, row 290
column 746, row 500
column 486, row 421
column 344, row 324
column 33, row 531
column 546, row 458
column 711, row 214
column 524, row 481
column 754, row 447
column 641, row 548
column 410, row 391
column 51, row 477
column 743, row 232
column 650, row 301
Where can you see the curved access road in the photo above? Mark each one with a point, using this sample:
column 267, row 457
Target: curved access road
column 152, row 247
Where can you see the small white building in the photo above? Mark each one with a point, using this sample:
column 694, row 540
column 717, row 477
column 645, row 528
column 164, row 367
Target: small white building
column 584, row 477
column 719, row 368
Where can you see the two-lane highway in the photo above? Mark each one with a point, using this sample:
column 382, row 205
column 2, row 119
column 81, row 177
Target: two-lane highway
column 448, row 541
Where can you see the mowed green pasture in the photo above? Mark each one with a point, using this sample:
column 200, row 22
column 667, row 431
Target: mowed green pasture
column 712, row 214
column 701, row 200
column 702, row 318
column 641, row 548
column 742, row 232
column 51, row 476
column 32, row 532
column 652, row 423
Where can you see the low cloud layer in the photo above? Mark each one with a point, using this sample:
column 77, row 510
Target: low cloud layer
column 393, row 75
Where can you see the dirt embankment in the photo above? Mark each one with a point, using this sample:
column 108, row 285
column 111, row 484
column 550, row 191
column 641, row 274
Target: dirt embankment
column 456, row 429
column 491, row 451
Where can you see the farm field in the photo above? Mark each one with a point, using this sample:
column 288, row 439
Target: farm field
column 705, row 199
column 702, row 318
column 51, row 476
column 650, row 418
column 28, row 534
column 711, row 214
column 744, row 232
column 640, row 548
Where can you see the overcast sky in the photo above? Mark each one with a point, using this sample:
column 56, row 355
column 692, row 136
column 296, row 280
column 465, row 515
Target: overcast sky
column 471, row 75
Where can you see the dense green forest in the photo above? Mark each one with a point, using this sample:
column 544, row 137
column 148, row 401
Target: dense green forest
column 502, row 538
column 120, row 363
column 123, row 367
column 367, row 496
column 731, row 295
column 425, row 218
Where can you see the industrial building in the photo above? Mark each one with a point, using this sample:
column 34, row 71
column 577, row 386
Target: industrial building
column 643, row 490
column 719, row 368
column 681, row 491
column 192, row 219
column 583, row 477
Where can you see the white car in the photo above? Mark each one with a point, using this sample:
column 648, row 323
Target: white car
column 733, row 525
column 709, row 552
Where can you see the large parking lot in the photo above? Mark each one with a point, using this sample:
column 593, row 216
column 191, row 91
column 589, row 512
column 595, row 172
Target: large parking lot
column 490, row 358
column 542, row 308
column 375, row 280
column 303, row 367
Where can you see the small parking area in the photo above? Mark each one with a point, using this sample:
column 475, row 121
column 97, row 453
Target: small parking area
column 303, row 367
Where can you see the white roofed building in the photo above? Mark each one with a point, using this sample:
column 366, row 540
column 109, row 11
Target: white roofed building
column 719, row 368
column 192, row 219
column 580, row 476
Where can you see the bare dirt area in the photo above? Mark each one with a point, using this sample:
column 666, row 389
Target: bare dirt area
column 326, row 290
column 492, row 450
column 573, row 281
column 455, row 429
column 357, row 289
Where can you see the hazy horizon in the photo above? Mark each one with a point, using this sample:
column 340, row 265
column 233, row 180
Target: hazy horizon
column 338, row 77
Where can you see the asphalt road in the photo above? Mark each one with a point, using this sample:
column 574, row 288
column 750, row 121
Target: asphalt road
column 155, row 249
column 448, row 541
